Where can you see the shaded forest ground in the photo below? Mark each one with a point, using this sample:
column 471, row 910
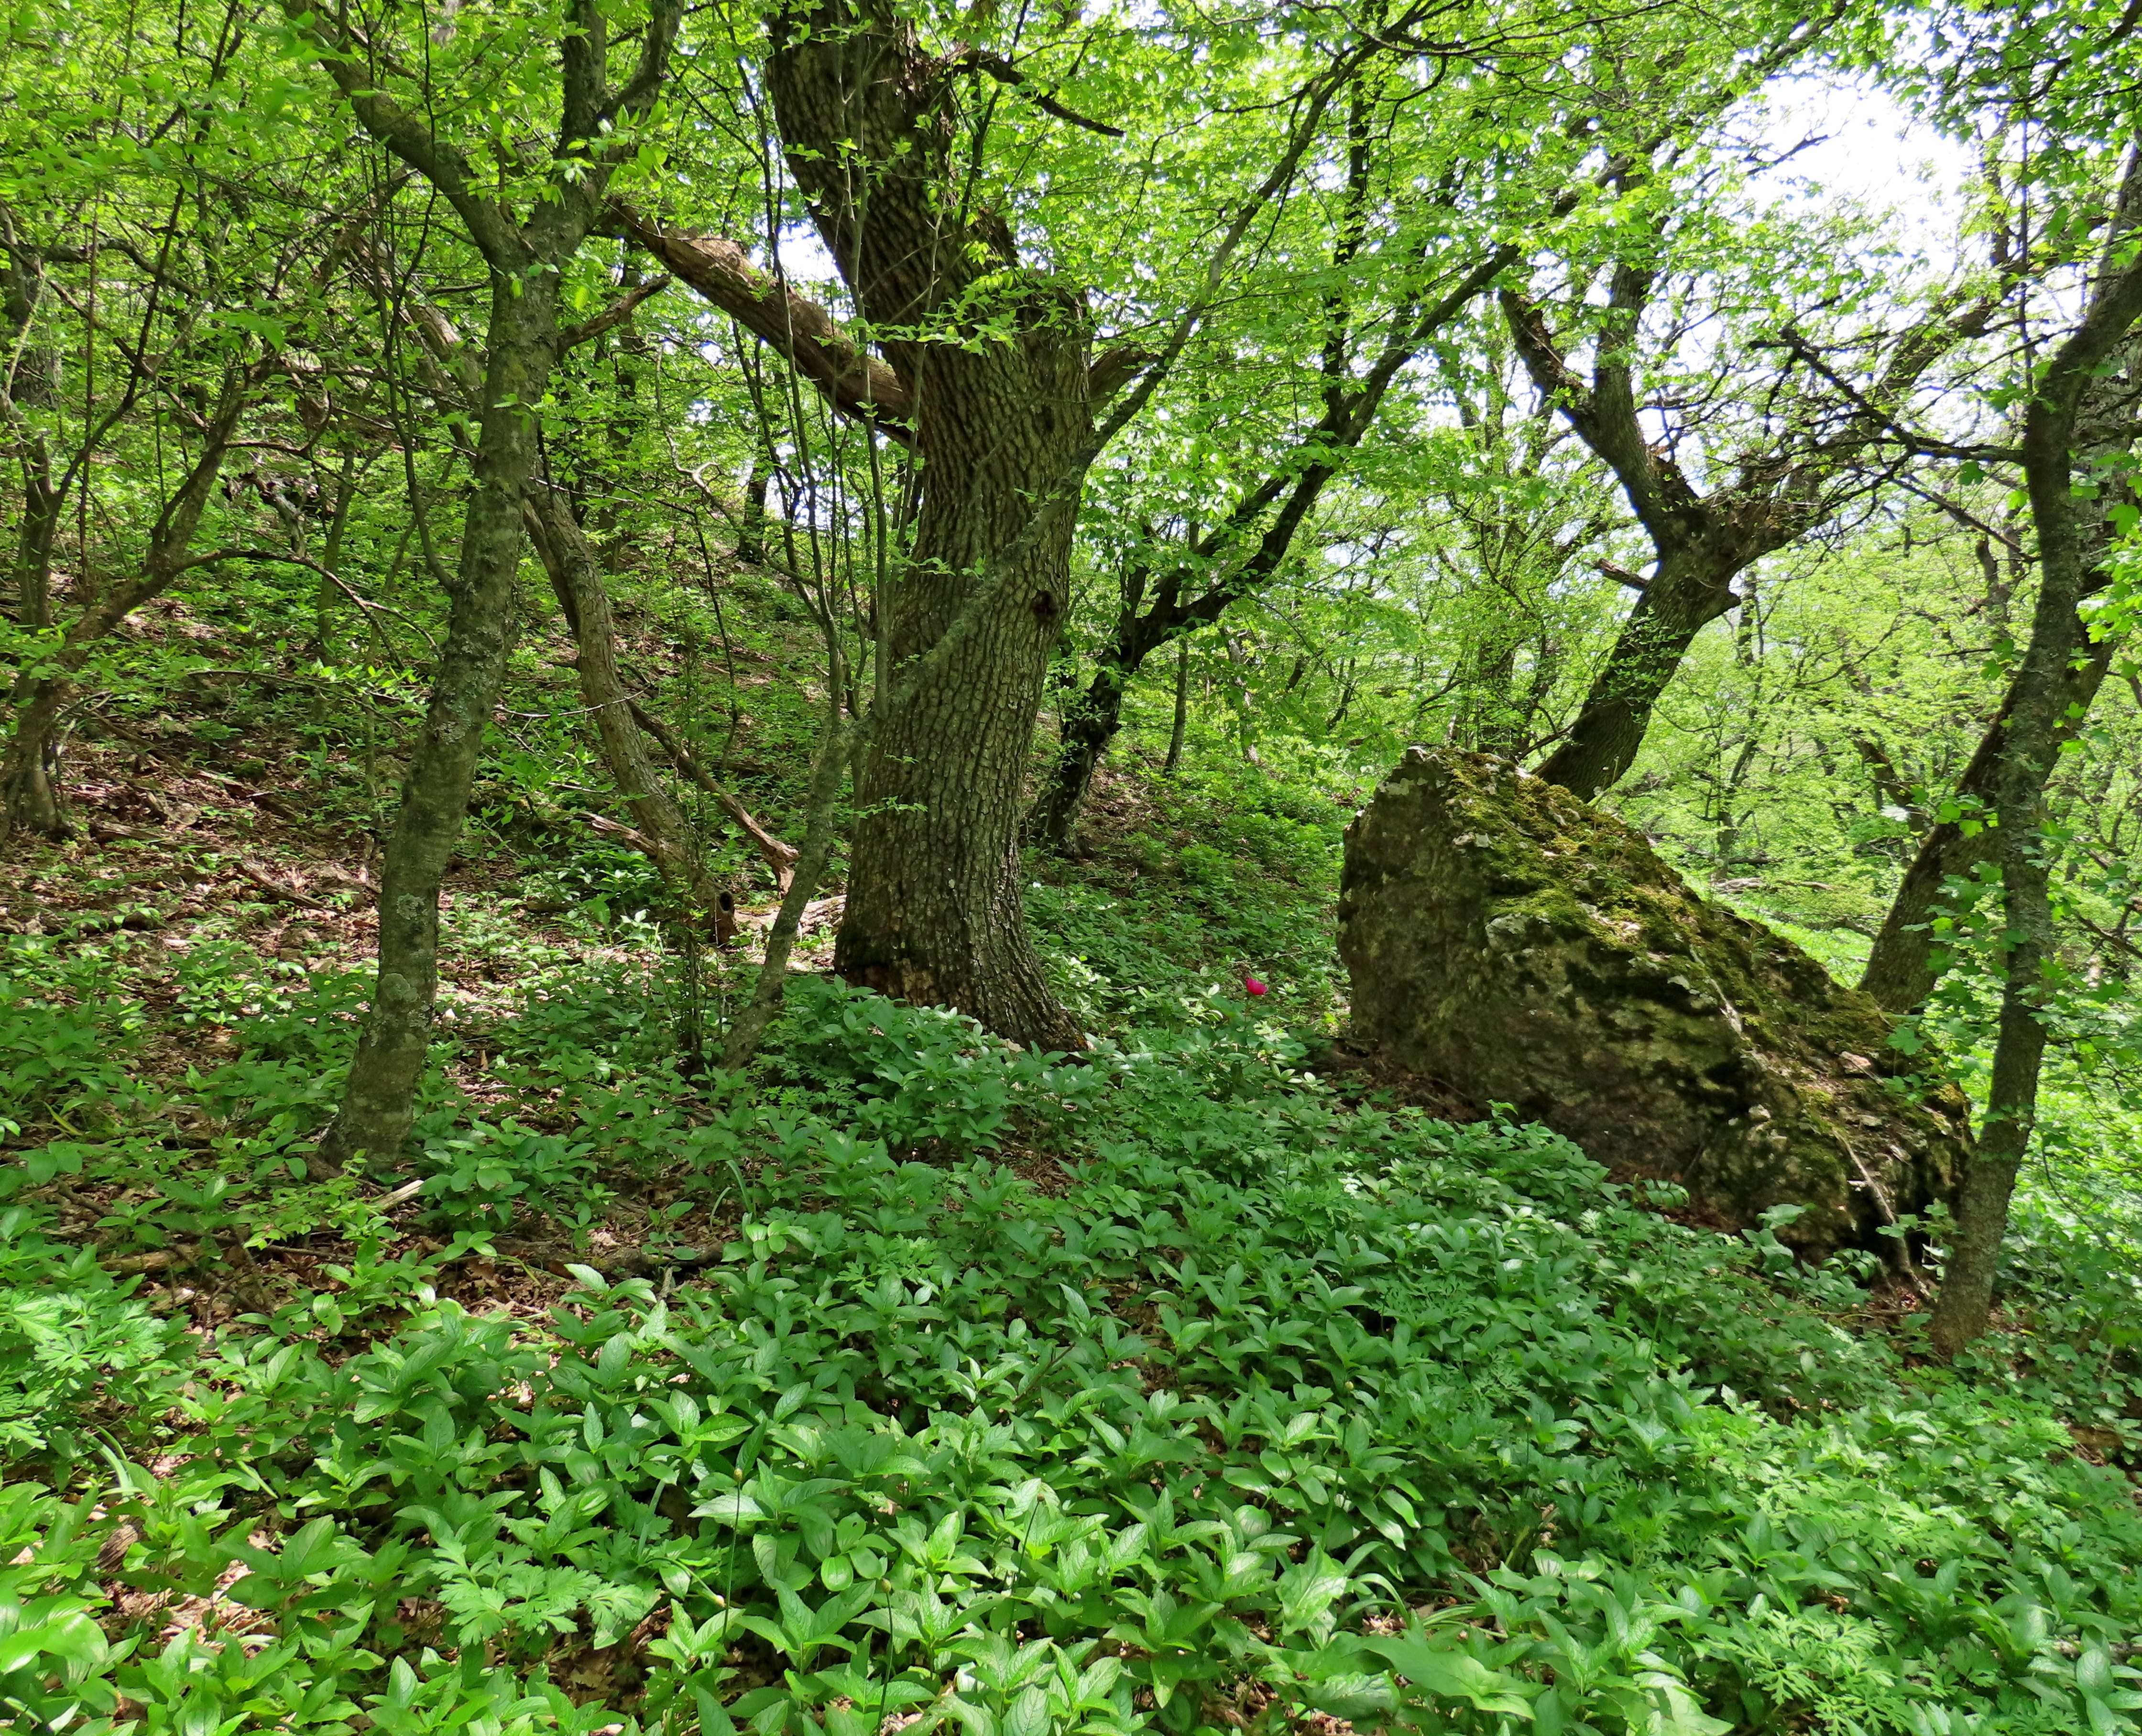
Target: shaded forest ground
column 918, row 1380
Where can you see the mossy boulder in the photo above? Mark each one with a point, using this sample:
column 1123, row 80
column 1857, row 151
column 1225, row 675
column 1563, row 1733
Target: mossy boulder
column 1507, row 938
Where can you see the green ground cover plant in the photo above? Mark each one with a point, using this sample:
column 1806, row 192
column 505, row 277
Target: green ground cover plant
column 1167, row 1391
column 1100, row 440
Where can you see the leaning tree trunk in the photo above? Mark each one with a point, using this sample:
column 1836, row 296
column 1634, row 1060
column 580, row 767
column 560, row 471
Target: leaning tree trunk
column 1091, row 719
column 1688, row 593
column 662, row 831
column 1900, row 970
column 379, row 1100
column 934, row 910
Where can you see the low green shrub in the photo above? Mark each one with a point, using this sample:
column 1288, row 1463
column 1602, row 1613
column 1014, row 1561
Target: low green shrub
column 79, row 1355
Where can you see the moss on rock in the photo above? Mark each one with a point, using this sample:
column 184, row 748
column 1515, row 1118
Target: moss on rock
column 1506, row 937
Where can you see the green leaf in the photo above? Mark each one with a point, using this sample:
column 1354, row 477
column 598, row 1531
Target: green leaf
column 1451, row 1675
column 729, row 1509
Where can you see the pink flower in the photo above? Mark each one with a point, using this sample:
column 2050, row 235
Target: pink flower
column 1253, row 986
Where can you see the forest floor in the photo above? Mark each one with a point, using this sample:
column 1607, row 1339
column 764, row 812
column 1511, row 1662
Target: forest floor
column 917, row 1380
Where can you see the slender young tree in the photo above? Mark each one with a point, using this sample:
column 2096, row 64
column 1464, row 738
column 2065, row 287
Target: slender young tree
column 526, row 217
column 2068, row 504
column 660, row 829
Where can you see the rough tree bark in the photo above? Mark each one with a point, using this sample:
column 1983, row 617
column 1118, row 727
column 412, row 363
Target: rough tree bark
column 986, row 378
column 2069, row 546
column 934, row 913
column 1700, row 543
column 522, row 341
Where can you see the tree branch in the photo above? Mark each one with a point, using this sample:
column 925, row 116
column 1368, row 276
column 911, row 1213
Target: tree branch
column 611, row 317
column 850, row 378
column 1005, row 73
column 780, row 856
column 408, row 138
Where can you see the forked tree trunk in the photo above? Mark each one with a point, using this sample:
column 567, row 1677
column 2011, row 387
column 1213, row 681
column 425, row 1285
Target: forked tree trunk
column 1700, row 542
column 522, row 342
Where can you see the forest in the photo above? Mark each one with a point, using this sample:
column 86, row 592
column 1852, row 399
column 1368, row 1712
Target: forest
column 872, row 867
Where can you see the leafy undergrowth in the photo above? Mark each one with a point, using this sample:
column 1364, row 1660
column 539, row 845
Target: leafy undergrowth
column 968, row 1389
column 1184, row 884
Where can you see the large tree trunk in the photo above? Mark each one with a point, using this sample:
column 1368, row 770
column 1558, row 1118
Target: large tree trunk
column 29, row 772
column 379, row 1100
column 29, row 780
column 934, row 910
column 29, row 785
